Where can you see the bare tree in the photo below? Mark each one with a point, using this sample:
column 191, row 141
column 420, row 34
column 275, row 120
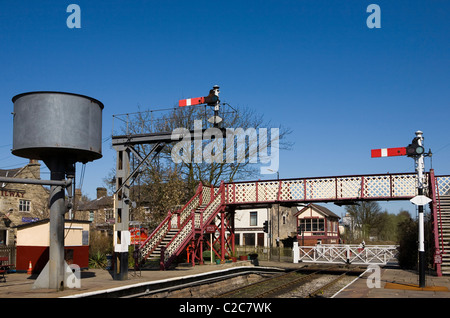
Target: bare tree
column 366, row 216
column 210, row 173
column 166, row 183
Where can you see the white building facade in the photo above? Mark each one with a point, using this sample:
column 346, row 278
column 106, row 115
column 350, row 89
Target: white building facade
column 249, row 225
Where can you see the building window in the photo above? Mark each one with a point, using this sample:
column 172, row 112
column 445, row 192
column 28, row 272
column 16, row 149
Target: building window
column 91, row 216
column 237, row 239
column 249, row 239
column 109, row 215
column 260, row 239
column 320, row 225
column 3, row 237
column 313, row 225
column 24, row 205
column 332, row 226
column 253, row 218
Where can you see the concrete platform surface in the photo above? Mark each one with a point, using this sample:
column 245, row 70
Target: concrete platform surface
column 396, row 283
column 20, row 285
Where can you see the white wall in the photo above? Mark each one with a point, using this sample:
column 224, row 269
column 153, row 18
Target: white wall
column 242, row 224
column 39, row 234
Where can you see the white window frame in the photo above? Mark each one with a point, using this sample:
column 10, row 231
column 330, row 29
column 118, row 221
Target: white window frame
column 24, row 205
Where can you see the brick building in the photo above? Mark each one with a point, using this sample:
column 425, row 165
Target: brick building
column 318, row 225
column 33, row 242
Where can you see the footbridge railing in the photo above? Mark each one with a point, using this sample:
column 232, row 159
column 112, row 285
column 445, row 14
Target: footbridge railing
column 348, row 254
column 324, row 189
column 209, row 202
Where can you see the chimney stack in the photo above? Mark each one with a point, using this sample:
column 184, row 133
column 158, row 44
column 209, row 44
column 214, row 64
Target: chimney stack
column 101, row 192
column 35, row 168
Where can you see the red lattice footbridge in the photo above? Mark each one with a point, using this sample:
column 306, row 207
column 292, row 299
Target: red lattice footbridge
column 211, row 209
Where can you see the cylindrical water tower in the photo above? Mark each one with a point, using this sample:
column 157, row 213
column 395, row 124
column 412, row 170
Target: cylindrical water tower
column 59, row 129
column 57, row 125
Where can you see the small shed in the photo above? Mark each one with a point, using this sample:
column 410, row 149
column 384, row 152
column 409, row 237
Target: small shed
column 33, row 243
column 318, row 225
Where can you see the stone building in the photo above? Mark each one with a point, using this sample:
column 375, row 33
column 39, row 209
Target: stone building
column 99, row 211
column 283, row 225
column 21, row 203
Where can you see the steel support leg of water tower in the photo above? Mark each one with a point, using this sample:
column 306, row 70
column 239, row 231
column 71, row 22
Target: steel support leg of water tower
column 53, row 274
column 56, row 253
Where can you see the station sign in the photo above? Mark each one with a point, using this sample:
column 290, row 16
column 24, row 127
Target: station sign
column 210, row 228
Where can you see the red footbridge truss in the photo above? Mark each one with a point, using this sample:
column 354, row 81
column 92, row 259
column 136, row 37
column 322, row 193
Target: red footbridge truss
column 211, row 210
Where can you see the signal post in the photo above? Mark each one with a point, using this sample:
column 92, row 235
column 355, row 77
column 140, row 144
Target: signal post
column 420, row 167
column 416, row 151
column 127, row 146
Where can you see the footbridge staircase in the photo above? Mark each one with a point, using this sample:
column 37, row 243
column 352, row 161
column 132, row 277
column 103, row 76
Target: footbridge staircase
column 211, row 211
column 186, row 227
column 439, row 192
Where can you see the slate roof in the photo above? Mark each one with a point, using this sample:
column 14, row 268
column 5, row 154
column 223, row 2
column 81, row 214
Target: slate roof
column 9, row 172
column 319, row 208
column 96, row 204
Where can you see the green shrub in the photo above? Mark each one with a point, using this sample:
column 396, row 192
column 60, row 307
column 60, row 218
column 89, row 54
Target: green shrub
column 97, row 260
column 408, row 234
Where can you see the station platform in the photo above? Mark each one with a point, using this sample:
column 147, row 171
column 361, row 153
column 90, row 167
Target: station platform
column 93, row 281
column 394, row 282
column 397, row 283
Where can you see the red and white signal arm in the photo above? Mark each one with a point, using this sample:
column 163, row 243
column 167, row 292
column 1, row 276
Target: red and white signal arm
column 191, row 101
column 388, row 152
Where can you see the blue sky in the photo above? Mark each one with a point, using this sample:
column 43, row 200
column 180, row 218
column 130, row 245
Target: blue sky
column 311, row 65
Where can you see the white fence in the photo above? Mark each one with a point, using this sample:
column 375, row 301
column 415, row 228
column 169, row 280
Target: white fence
column 349, row 254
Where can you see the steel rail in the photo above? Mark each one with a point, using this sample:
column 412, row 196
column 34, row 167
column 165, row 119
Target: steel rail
column 326, row 286
column 239, row 289
column 265, row 293
column 304, row 279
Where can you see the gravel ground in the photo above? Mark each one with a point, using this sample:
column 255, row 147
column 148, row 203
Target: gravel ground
column 304, row 290
column 210, row 290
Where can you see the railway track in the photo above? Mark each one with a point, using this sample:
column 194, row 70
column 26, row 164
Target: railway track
column 296, row 283
column 319, row 292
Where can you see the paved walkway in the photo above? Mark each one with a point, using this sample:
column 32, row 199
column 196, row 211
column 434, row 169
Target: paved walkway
column 20, row 285
column 397, row 283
